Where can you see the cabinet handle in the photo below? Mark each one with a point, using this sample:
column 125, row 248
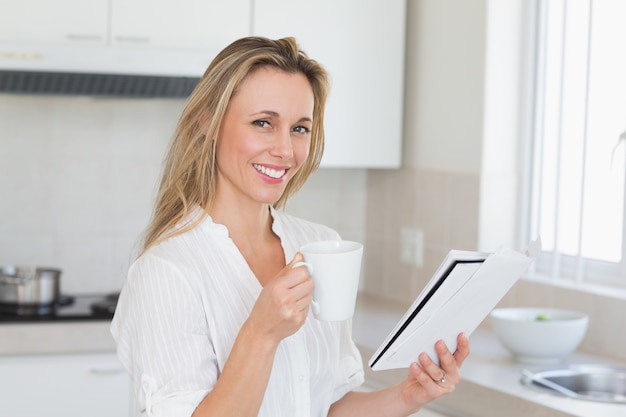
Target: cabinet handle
column 106, row 371
column 83, row 37
column 132, row 39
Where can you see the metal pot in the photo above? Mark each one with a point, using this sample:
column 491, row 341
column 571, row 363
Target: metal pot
column 29, row 286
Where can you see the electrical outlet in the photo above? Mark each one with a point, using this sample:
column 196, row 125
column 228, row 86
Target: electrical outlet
column 412, row 246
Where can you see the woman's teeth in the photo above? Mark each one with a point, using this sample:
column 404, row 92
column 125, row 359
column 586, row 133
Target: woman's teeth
column 269, row 171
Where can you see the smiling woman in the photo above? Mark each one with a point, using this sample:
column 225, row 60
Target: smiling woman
column 215, row 309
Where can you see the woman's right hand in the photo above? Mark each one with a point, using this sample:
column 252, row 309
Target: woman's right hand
column 280, row 310
column 283, row 304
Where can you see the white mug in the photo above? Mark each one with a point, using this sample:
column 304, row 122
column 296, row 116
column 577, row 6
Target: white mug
column 335, row 267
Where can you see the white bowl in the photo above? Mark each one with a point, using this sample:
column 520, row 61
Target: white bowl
column 539, row 335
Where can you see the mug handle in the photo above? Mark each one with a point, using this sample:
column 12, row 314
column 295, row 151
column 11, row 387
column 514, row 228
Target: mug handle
column 314, row 304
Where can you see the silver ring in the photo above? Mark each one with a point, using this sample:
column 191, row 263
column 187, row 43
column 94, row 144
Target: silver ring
column 443, row 378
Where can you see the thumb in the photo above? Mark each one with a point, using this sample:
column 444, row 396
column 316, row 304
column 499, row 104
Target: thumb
column 297, row 258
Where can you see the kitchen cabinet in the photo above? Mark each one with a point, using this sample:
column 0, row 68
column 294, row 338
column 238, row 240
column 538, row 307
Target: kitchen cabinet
column 67, row 385
column 199, row 24
column 361, row 44
column 191, row 24
column 59, row 21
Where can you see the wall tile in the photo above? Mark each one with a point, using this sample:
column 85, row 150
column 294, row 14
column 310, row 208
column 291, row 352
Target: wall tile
column 434, row 202
column 463, row 199
column 433, row 208
column 78, row 175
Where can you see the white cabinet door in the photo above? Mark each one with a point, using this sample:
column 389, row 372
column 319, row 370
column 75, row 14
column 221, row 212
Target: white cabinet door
column 198, row 24
column 93, row 385
column 361, row 43
column 59, row 21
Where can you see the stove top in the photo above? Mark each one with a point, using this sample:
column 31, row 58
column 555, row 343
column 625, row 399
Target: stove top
column 83, row 307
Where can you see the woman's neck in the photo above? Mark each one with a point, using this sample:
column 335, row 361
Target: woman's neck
column 243, row 220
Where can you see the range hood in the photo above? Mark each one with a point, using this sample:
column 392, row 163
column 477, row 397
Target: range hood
column 100, row 71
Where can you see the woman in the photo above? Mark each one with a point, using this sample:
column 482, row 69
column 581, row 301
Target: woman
column 213, row 320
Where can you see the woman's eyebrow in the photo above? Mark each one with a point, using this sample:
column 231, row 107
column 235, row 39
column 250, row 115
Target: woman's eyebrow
column 273, row 113
column 268, row 112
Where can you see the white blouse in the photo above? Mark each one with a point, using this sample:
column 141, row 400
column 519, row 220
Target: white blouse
column 181, row 309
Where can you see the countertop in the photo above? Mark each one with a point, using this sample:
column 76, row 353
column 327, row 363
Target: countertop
column 75, row 327
column 64, row 337
column 491, row 377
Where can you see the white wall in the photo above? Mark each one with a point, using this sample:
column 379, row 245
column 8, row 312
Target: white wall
column 445, row 83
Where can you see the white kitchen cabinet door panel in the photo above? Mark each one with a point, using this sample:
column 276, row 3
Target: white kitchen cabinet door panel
column 362, row 45
column 59, row 21
column 196, row 24
column 93, row 385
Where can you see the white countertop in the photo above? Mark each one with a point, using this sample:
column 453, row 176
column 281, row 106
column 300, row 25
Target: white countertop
column 491, row 377
column 56, row 337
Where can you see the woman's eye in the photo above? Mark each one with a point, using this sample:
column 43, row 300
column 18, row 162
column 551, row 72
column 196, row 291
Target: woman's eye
column 301, row 129
column 261, row 123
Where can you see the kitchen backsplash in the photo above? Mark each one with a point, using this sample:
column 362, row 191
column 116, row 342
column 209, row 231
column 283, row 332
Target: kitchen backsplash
column 78, row 178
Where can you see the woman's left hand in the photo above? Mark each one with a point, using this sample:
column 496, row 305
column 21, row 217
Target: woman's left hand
column 430, row 381
column 426, row 381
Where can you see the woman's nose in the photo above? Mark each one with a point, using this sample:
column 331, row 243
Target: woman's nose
column 282, row 146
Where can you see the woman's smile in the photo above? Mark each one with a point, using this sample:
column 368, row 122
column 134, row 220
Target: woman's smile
column 275, row 173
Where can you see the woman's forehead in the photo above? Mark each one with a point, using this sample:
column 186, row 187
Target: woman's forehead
column 273, row 90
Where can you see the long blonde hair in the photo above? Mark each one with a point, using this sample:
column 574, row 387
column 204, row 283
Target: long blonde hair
column 189, row 173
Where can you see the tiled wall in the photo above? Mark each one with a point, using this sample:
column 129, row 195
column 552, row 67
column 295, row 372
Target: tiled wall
column 443, row 205
column 77, row 180
column 78, row 176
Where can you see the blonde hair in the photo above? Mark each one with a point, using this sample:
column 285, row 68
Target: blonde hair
column 189, row 173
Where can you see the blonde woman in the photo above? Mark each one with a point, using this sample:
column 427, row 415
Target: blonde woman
column 213, row 320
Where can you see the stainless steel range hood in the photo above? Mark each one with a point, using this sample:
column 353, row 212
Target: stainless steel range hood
column 100, row 71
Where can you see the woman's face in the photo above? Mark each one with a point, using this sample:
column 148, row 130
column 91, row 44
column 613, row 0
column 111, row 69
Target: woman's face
column 265, row 136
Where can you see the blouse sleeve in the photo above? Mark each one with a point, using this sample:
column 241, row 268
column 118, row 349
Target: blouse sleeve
column 350, row 371
column 163, row 340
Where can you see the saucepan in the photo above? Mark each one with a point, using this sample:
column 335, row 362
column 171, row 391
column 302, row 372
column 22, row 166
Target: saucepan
column 29, row 285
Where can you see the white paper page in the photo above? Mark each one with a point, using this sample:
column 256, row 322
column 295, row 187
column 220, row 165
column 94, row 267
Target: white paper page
column 463, row 300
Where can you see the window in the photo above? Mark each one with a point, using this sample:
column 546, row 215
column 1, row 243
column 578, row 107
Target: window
column 579, row 146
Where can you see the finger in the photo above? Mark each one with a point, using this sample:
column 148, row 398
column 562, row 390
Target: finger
column 298, row 283
column 303, row 303
column 298, row 263
column 298, row 257
column 447, row 361
column 291, row 276
column 435, row 372
column 420, row 375
column 462, row 349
